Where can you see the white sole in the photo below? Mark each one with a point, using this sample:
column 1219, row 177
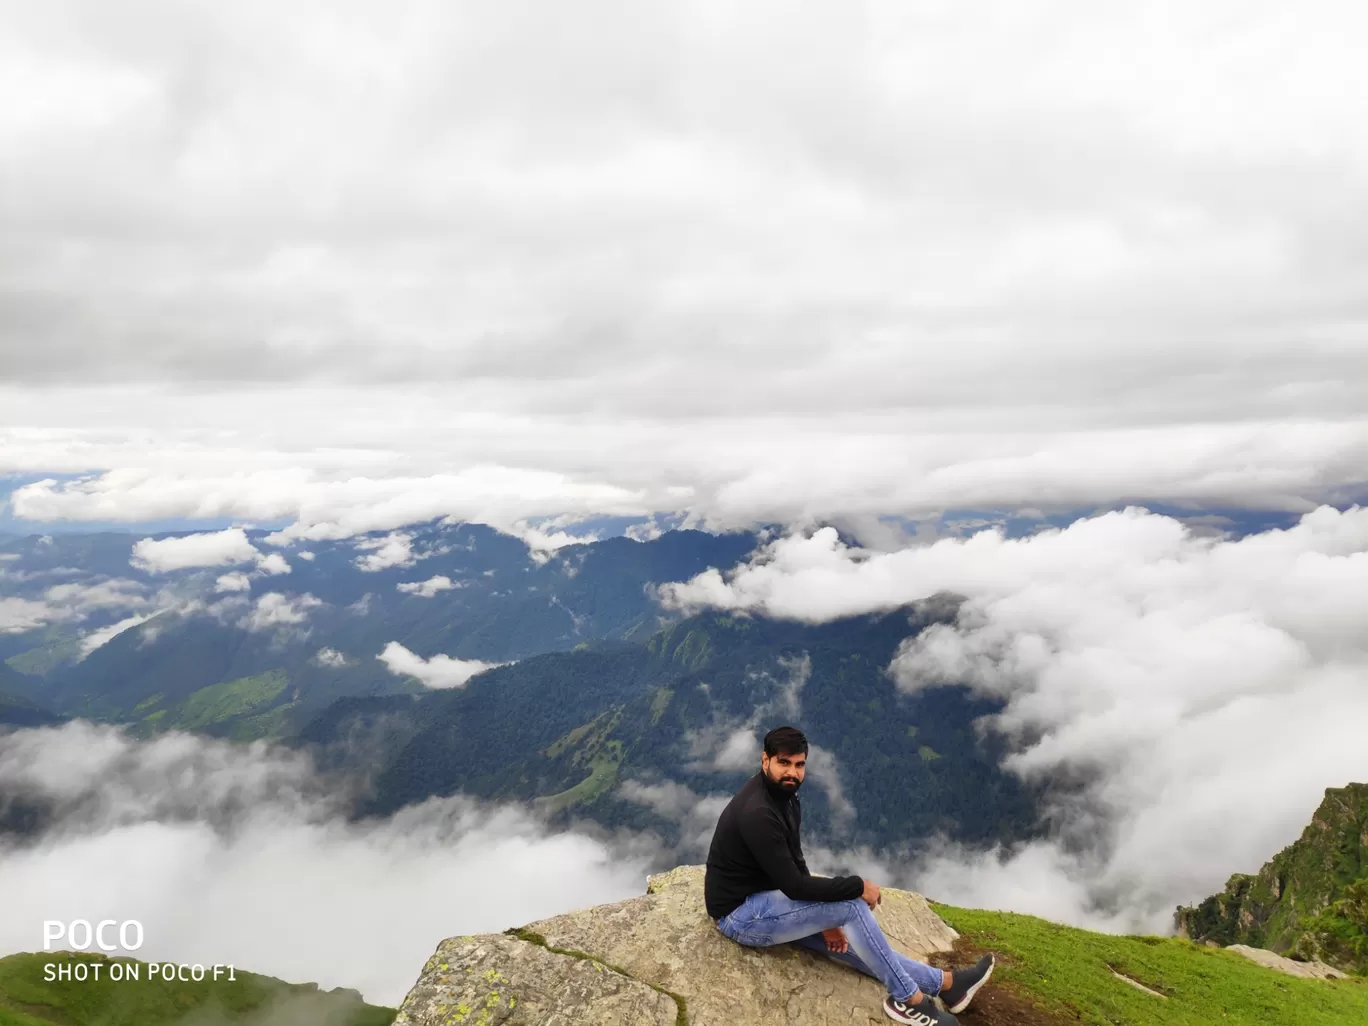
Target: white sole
column 899, row 1018
column 963, row 1002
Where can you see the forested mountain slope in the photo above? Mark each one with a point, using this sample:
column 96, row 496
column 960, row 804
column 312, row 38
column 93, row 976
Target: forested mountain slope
column 637, row 734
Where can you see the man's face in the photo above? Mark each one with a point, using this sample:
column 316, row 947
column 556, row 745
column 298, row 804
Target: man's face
column 785, row 770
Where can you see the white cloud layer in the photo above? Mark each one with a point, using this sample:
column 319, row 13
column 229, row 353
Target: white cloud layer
column 428, row 588
column 696, row 814
column 233, row 582
column 277, row 610
column 394, row 549
column 273, row 564
column 21, row 614
column 440, row 671
column 741, row 260
column 1208, row 690
column 331, row 657
column 71, row 603
column 218, row 548
column 103, row 635
column 236, row 854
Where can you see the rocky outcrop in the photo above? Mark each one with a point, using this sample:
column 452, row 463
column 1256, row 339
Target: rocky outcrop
column 1309, row 901
column 504, row 979
column 656, row 958
column 1271, row 959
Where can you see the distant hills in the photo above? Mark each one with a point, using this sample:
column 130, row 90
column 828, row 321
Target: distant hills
column 568, row 729
column 1309, row 901
column 280, row 647
column 601, row 703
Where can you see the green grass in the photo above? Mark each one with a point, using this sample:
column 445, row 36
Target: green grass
column 563, row 744
column 147, row 703
column 27, row 999
column 1069, row 971
column 42, row 660
column 603, row 771
column 275, row 722
column 660, row 701
column 219, row 702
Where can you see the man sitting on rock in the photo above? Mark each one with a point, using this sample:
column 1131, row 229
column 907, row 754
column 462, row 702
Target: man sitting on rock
column 758, row 890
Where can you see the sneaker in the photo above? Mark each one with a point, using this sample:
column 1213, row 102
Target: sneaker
column 923, row 1013
column 967, row 982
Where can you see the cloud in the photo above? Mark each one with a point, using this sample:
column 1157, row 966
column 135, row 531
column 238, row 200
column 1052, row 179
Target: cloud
column 696, row 814
column 219, row 548
column 546, row 539
column 272, row 564
column 241, row 854
column 276, row 610
column 428, row 588
column 892, row 278
column 332, row 658
column 395, row 549
column 1204, row 691
column 70, row 603
column 441, row 671
column 20, row 614
column 110, row 593
column 740, row 750
column 103, row 635
column 233, row 582
column 734, row 744
column 729, row 744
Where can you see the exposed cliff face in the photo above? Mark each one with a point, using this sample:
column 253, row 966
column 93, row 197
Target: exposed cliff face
column 1310, row 900
column 656, row 959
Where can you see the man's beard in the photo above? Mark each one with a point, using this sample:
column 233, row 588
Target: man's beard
column 790, row 784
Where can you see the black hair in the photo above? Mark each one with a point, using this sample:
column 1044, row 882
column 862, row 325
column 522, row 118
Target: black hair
column 785, row 741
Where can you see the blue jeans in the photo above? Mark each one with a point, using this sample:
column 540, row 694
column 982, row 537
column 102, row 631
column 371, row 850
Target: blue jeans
column 770, row 917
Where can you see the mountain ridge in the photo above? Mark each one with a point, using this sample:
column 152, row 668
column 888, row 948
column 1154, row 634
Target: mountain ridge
column 1309, row 901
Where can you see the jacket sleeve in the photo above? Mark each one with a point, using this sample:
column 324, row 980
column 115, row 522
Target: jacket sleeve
column 763, row 833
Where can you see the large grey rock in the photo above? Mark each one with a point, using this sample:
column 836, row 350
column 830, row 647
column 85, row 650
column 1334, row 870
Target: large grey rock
column 493, row 979
column 1271, row 959
column 665, row 938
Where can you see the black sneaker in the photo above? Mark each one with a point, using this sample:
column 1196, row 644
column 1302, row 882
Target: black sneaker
column 923, row 1013
column 966, row 983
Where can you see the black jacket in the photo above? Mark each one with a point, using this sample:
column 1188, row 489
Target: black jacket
column 756, row 847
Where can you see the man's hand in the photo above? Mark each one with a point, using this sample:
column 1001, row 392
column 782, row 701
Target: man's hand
column 835, row 940
column 871, row 894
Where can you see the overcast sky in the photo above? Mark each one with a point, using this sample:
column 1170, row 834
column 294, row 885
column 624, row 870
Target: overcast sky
column 357, row 264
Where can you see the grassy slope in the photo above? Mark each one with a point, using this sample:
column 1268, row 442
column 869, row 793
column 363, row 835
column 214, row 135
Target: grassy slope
column 1068, row 972
column 231, row 698
column 245, row 709
column 26, row 999
column 589, row 747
